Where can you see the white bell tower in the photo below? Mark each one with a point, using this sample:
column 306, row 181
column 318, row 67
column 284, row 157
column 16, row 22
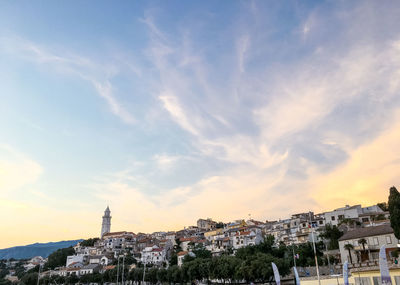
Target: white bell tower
column 106, row 225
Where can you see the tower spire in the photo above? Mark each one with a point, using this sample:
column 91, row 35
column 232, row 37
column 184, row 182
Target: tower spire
column 106, row 224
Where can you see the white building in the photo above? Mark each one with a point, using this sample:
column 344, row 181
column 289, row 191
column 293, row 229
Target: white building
column 154, row 255
column 89, row 269
column 119, row 240
column 242, row 239
column 350, row 212
column 76, row 258
column 181, row 256
column 99, row 259
column 375, row 238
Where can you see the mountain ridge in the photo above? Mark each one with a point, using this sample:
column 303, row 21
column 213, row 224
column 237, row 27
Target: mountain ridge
column 35, row 249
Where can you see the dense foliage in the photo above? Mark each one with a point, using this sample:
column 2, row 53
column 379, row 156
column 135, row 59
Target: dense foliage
column 384, row 206
column 89, row 242
column 394, row 210
column 58, row 258
column 332, row 234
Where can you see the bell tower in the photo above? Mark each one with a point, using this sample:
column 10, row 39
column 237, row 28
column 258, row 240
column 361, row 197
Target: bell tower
column 106, row 225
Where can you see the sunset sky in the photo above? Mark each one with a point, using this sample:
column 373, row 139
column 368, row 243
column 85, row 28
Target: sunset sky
column 168, row 111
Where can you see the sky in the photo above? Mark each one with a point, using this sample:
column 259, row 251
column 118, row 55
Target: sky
column 170, row 111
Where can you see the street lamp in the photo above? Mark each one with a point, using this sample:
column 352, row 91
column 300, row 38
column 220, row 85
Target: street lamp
column 123, row 267
column 38, row 277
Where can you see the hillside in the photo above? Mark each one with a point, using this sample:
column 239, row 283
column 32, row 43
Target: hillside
column 31, row 250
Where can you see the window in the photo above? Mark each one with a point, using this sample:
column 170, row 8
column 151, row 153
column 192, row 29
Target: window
column 377, row 280
column 388, row 239
column 321, row 222
column 363, row 281
column 304, row 224
column 365, row 220
column 341, row 217
column 333, row 218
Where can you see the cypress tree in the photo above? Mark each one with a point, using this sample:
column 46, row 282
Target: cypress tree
column 394, row 210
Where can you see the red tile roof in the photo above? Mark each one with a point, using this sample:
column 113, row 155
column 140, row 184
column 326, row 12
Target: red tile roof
column 187, row 239
column 243, row 233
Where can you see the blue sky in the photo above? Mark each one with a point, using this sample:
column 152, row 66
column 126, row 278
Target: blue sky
column 169, row 111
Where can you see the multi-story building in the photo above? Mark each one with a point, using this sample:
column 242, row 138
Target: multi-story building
column 117, row 241
column 154, row 255
column 374, row 237
column 206, row 224
column 242, row 239
column 350, row 212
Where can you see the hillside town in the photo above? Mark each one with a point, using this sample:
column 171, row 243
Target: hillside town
column 363, row 231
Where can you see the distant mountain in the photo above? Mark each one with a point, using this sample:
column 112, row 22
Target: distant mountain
column 36, row 249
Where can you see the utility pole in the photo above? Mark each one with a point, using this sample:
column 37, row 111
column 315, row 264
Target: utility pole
column 315, row 251
column 118, row 270
column 38, row 277
column 144, row 270
column 123, row 267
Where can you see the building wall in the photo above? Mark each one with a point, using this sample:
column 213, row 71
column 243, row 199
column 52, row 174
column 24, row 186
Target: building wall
column 367, row 278
column 373, row 245
column 347, row 213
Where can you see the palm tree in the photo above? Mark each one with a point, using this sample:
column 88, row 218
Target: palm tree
column 363, row 242
column 349, row 247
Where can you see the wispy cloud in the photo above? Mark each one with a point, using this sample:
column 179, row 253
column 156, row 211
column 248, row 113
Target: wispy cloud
column 98, row 74
column 250, row 113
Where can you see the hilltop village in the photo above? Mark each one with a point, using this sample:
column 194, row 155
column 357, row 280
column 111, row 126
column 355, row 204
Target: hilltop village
column 366, row 229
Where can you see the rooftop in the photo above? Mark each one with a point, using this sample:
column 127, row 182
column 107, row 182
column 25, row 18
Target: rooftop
column 367, row 232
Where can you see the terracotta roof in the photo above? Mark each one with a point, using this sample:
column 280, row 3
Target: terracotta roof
column 182, row 253
column 157, row 249
column 109, row 267
column 117, row 234
column 367, row 232
column 243, row 233
column 187, row 239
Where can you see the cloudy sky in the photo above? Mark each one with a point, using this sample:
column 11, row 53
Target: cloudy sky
column 173, row 110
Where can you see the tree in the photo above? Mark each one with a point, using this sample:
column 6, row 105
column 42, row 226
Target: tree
column 394, row 210
column 383, row 206
column 220, row 225
column 380, row 217
column 29, row 279
column 72, row 279
column 332, row 233
column 89, row 242
column 363, row 242
column 59, row 257
column 349, row 247
column 174, row 259
column 130, row 259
